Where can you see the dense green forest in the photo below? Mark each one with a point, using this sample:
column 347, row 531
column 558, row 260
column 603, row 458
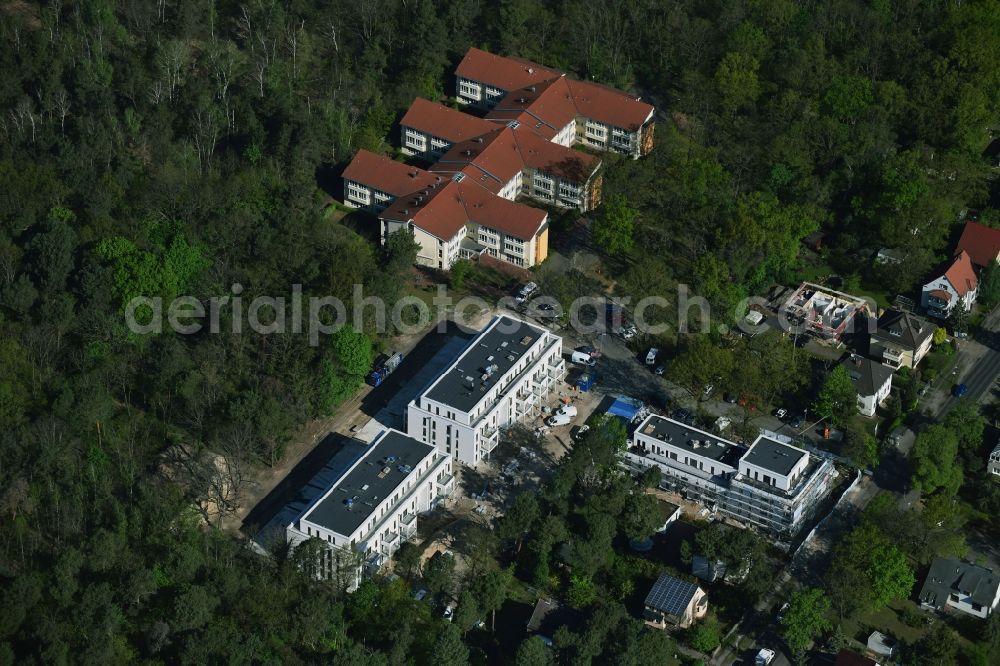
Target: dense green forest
column 165, row 148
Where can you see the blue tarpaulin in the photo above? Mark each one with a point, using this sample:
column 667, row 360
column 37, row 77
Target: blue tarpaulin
column 625, row 407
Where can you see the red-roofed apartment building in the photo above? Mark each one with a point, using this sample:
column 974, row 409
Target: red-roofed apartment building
column 463, row 206
column 450, row 215
column 957, row 286
column 982, row 244
column 561, row 109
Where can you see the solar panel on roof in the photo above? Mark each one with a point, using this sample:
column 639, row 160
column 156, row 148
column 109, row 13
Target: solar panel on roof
column 670, row 595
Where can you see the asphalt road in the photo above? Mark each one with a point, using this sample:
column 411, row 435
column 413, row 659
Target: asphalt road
column 982, row 373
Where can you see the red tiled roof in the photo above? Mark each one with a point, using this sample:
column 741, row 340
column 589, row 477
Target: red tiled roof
column 450, row 207
column 390, row 176
column 511, row 218
column 545, row 107
column 961, row 275
column 443, row 122
column 442, row 216
column 490, row 160
column 982, row 243
column 552, row 158
column 500, row 72
column 608, row 105
column 493, row 159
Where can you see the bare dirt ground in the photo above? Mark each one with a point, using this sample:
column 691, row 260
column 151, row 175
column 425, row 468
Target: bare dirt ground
column 348, row 415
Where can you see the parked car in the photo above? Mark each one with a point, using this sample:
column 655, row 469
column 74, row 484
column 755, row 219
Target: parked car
column 577, row 432
column 651, row 356
column 525, row 292
column 780, row 413
column 586, row 349
column 583, row 359
column 449, row 611
column 764, row 657
column 729, row 397
column 708, row 390
column 558, row 420
column 659, row 370
column 782, row 611
column 420, row 594
column 796, row 422
column 959, row 390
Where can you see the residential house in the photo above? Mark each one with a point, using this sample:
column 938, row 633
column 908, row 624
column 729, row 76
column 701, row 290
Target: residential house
column 771, row 484
column 956, row 286
column 503, row 377
column 674, row 602
column 371, row 508
column 960, row 586
column 557, row 107
column 825, row 313
column 901, row 339
column 549, row 615
column 872, row 380
column 981, row 243
column 993, row 467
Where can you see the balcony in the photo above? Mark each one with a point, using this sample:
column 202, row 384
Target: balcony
column 389, row 544
column 489, row 440
column 407, row 525
column 445, row 485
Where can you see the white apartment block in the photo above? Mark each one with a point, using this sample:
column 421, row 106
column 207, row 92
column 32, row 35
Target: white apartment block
column 771, row 485
column 371, row 509
column 501, row 378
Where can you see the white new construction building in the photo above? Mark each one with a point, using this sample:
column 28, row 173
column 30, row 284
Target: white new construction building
column 371, row 508
column 770, row 484
column 500, row 379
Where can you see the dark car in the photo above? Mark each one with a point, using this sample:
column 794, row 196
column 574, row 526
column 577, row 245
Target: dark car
column 682, row 415
column 730, row 398
column 959, row 390
column 796, row 422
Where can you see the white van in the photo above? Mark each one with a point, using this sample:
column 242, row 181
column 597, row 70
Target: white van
column 583, row 358
column 567, row 410
column 558, row 420
column 651, row 356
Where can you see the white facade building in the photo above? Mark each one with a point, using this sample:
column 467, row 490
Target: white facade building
column 771, row 485
column 371, row 509
column 955, row 585
column 956, row 287
column 502, row 378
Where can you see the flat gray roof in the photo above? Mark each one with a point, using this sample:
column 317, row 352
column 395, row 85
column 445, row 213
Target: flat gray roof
column 774, row 456
column 368, row 483
column 692, row 439
column 486, row 358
